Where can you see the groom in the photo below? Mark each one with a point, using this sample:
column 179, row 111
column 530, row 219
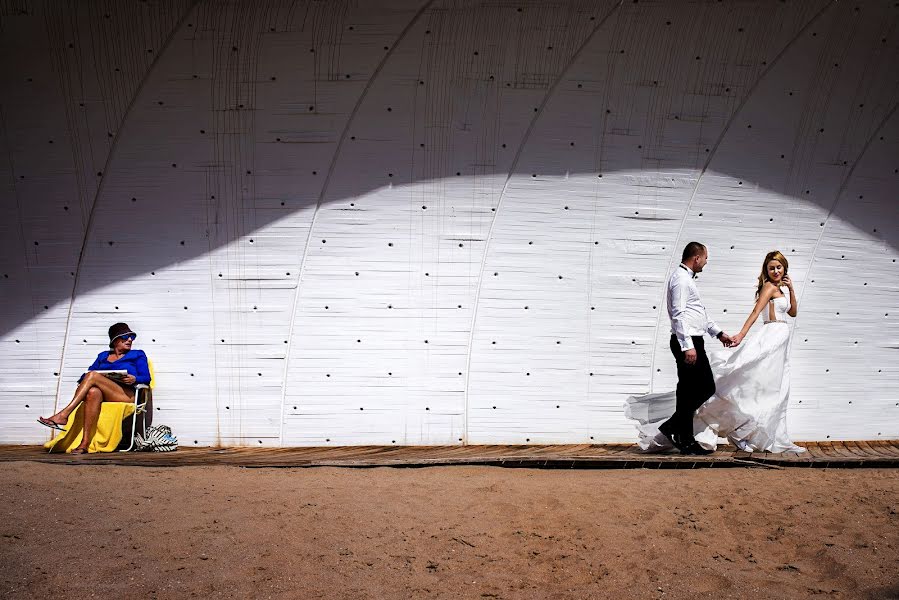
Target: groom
column 689, row 322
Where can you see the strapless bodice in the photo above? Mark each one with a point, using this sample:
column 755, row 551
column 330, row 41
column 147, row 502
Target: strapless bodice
column 781, row 306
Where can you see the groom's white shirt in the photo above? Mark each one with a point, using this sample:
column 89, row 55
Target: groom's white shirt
column 685, row 309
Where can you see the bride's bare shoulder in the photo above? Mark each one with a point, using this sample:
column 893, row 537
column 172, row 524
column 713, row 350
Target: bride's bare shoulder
column 769, row 290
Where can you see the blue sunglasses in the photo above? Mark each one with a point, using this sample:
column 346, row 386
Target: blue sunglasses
column 127, row 337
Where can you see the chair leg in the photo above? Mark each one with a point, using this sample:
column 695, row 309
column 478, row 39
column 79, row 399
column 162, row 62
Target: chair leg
column 133, row 420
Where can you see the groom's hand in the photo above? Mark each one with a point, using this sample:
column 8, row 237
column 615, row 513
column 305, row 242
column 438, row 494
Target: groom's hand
column 728, row 341
column 690, row 356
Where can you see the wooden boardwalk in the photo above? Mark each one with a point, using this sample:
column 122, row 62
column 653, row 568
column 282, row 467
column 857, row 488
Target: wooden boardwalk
column 608, row 456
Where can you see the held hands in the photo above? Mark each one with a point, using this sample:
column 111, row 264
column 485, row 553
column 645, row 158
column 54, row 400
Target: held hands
column 728, row 341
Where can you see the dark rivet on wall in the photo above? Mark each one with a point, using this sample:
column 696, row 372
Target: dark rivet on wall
column 390, row 244
column 560, row 277
column 390, row 174
column 357, row 273
column 458, row 174
column 46, row 307
column 282, row 204
column 174, row 165
column 65, row 208
column 740, row 29
column 288, row 273
column 110, row 243
column 421, row 82
column 37, row 244
column 494, row 343
column 535, row 109
column 426, row 341
column 475, row 52
column 667, row 22
column 504, row 145
column 386, row 47
column 579, row 86
column 530, row 243
column 427, row 32
column 700, row 214
column 352, row 137
column 533, row 174
column 566, row 208
column 697, row 58
column 99, row 173
column 771, row 220
column 185, row 308
column 571, row 144
column 458, row 306
column 821, row 130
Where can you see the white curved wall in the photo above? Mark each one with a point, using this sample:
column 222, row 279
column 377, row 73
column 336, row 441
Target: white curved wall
column 440, row 222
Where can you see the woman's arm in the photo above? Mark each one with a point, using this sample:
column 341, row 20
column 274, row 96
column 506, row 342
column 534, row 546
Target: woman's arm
column 764, row 298
column 142, row 374
column 794, row 305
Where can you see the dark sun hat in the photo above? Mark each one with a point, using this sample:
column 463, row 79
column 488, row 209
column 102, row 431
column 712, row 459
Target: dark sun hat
column 118, row 330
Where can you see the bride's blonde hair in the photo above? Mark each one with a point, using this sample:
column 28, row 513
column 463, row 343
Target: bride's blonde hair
column 763, row 278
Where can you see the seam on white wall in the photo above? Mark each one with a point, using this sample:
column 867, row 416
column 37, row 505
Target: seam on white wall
column 321, row 197
column 677, row 240
column 100, row 186
column 499, row 203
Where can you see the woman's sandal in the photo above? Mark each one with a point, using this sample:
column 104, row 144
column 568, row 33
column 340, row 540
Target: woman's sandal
column 50, row 424
column 79, row 451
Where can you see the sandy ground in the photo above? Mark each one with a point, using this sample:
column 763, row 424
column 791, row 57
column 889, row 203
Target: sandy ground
column 446, row 532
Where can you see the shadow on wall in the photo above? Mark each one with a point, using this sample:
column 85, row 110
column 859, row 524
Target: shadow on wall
column 246, row 120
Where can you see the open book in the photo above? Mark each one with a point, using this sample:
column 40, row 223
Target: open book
column 114, row 375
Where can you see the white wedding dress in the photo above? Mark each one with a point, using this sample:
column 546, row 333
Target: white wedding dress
column 749, row 407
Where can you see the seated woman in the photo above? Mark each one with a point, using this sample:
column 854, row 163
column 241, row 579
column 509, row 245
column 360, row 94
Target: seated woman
column 95, row 388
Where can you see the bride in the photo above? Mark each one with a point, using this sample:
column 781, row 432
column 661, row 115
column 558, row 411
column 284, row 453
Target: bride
column 752, row 382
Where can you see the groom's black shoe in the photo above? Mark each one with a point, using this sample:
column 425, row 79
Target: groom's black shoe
column 666, row 430
column 694, row 448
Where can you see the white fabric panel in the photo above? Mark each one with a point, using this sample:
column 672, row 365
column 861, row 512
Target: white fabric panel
column 441, row 222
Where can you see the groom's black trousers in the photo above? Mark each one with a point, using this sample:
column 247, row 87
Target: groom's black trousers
column 695, row 385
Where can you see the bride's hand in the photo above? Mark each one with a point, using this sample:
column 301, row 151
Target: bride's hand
column 735, row 340
column 787, row 282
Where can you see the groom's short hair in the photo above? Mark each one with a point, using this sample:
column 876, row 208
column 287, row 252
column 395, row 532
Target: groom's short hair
column 692, row 249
